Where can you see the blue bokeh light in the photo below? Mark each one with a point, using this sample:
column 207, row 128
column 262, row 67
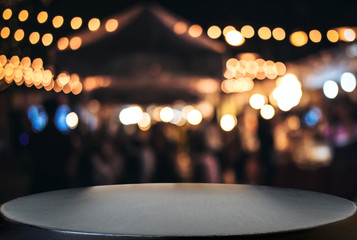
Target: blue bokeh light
column 60, row 118
column 24, row 139
column 312, row 117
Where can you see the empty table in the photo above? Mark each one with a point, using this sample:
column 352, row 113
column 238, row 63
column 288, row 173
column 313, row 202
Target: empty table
column 175, row 211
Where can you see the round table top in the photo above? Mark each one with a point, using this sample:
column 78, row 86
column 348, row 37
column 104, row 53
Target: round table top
column 177, row 210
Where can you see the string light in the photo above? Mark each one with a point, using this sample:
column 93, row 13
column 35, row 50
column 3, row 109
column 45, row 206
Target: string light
column 34, row 37
column 7, row 13
column 57, row 21
column 111, row 25
column 94, row 24
column 23, row 15
column 76, row 23
column 42, row 17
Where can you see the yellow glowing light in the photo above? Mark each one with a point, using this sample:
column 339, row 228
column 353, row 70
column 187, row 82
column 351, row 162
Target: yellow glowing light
column 131, row 115
column 298, row 38
column 111, row 25
column 145, row 123
column 26, row 62
column 7, row 14
column 267, row 112
column 315, row 36
column 63, row 79
column 72, row 120
column 194, row 117
column 166, row 114
column 3, row 60
column 62, row 43
column 77, row 88
column 93, row 24
column 47, row 39
column 34, row 37
column 57, row 21
column 75, row 43
column 235, row 38
column 180, row 28
column 264, row 33
column 195, row 31
column 5, row 32
column 281, row 68
column 349, row 35
column 293, row 122
column 332, row 35
column 247, row 31
column 19, row 35
column 228, row 122
column 279, row 34
column 227, row 29
column 214, row 32
column 76, row 23
column 37, row 63
column 15, row 60
column 23, row 15
column 257, row 101
column 42, row 17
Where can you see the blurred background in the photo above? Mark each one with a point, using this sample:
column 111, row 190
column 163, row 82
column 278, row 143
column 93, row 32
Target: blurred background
column 115, row 92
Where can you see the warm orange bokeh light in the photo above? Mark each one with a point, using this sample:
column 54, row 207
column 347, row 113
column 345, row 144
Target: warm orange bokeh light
column 214, row 32
column 195, row 31
column 298, row 38
column 75, row 43
column 7, row 14
column 34, row 37
column 23, row 15
column 37, row 63
column 264, row 33
column 57, row 21
column 279, row 34
column 93, row 24
column 62, row 43
column 332, row 35
column 235, row 38
column 180, row 28
column 42, row 17
column 5, row 32
column 315, row 36
column 76, row 23
column 111, row 25
column 247, row 31
column 47, row 39
column 19, row 35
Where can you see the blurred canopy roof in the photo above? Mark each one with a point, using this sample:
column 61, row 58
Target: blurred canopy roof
column 144, row 56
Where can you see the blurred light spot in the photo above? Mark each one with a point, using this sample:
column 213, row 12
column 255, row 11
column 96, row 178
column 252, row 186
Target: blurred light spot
column 348, row 82
column 38, row 117
column 332, row 35
column 145, row 123
column 312, row 117
column 93, row 24
column 76, row 23
column 235, row 38
column 279, row 34
column 7, row 13
column 228, row 122
column 23, row 15
column 37, row 63
column 281, row 68
column 5, row 32
column 267, row 112
column 75, row 43
column 42, row 17
column 34, row 37
column 24, row 139
column 178, row 119
column 60, row 118
column 194, row 117
column 315, row 36
column 131, row 115
column 247, row 31
column 47, row 39
column 72, row 120
column 349, row 35
column 330, row 89
column 77, row 88
column 111, row 25
column 195, row 31
column 227, row 29
column 62, row 43
column 180, row 28
column 257, row 101
column 264, row 33
column 298, row 38
column 214, row 32
column 293, row 123
column 26, row 62
column 63, row 79
column 19, row 35
column 57, row 21
column 166, row 114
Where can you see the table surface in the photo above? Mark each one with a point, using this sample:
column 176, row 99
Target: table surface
column 178, row 210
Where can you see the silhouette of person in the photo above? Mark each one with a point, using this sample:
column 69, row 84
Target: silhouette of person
column 50, row 150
